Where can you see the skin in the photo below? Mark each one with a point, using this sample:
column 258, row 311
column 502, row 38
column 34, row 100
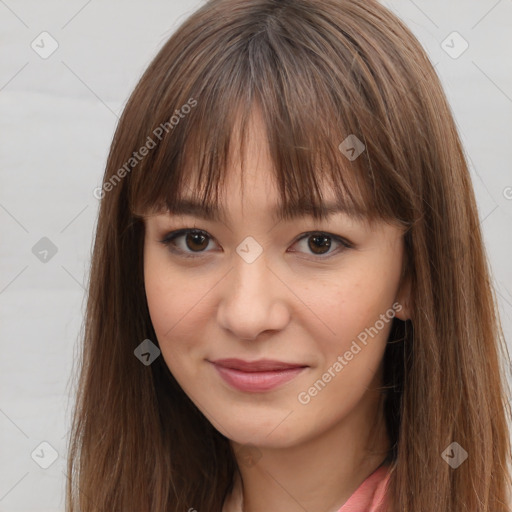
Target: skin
column 290, row 304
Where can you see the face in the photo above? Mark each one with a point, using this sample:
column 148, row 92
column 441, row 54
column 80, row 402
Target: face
column 318, row 295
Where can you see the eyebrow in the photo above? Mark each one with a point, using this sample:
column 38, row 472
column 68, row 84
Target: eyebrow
column 279, row 212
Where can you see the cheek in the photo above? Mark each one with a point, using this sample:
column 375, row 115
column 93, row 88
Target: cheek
column 168, row 313
column 170, row 293
column 178, row 308
column 356, row 316
column 352, row 346
column 353, row 301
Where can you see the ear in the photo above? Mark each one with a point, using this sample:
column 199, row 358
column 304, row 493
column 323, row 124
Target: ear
column 404, row 298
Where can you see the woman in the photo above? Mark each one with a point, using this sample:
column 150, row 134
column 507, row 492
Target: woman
column 290, row 305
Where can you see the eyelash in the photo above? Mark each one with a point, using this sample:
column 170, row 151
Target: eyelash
column 173, row 235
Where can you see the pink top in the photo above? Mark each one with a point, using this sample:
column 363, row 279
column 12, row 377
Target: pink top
column 368, row 497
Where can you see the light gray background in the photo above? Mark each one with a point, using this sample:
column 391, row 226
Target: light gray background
column 57, row 119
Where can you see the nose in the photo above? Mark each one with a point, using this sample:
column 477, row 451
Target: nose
column 253, row 300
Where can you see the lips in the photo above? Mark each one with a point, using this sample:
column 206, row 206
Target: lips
column 256, row 376
column 261, row 365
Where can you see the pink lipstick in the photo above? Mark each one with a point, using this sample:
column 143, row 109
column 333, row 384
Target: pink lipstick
column 256, row 376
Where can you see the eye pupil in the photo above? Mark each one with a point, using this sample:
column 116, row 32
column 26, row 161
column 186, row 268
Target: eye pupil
column 197, row 238
column 324, row 242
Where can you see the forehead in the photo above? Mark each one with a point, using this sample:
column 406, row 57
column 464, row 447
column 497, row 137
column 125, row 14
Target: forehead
column 250, row 177
column 278, row 212
column 255, row 175
column 255, row 188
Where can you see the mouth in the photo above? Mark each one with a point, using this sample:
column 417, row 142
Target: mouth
column 256, row 376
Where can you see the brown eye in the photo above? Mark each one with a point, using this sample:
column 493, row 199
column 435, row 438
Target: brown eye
column 319, row 244
column 196, row 241
column 186, row 242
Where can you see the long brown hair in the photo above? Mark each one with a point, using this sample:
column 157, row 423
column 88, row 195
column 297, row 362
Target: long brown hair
column 320, row 71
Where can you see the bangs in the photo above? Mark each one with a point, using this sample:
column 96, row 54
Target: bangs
column 318, row 108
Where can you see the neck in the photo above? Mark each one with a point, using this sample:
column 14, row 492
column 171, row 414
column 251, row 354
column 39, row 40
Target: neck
column 320, row 473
